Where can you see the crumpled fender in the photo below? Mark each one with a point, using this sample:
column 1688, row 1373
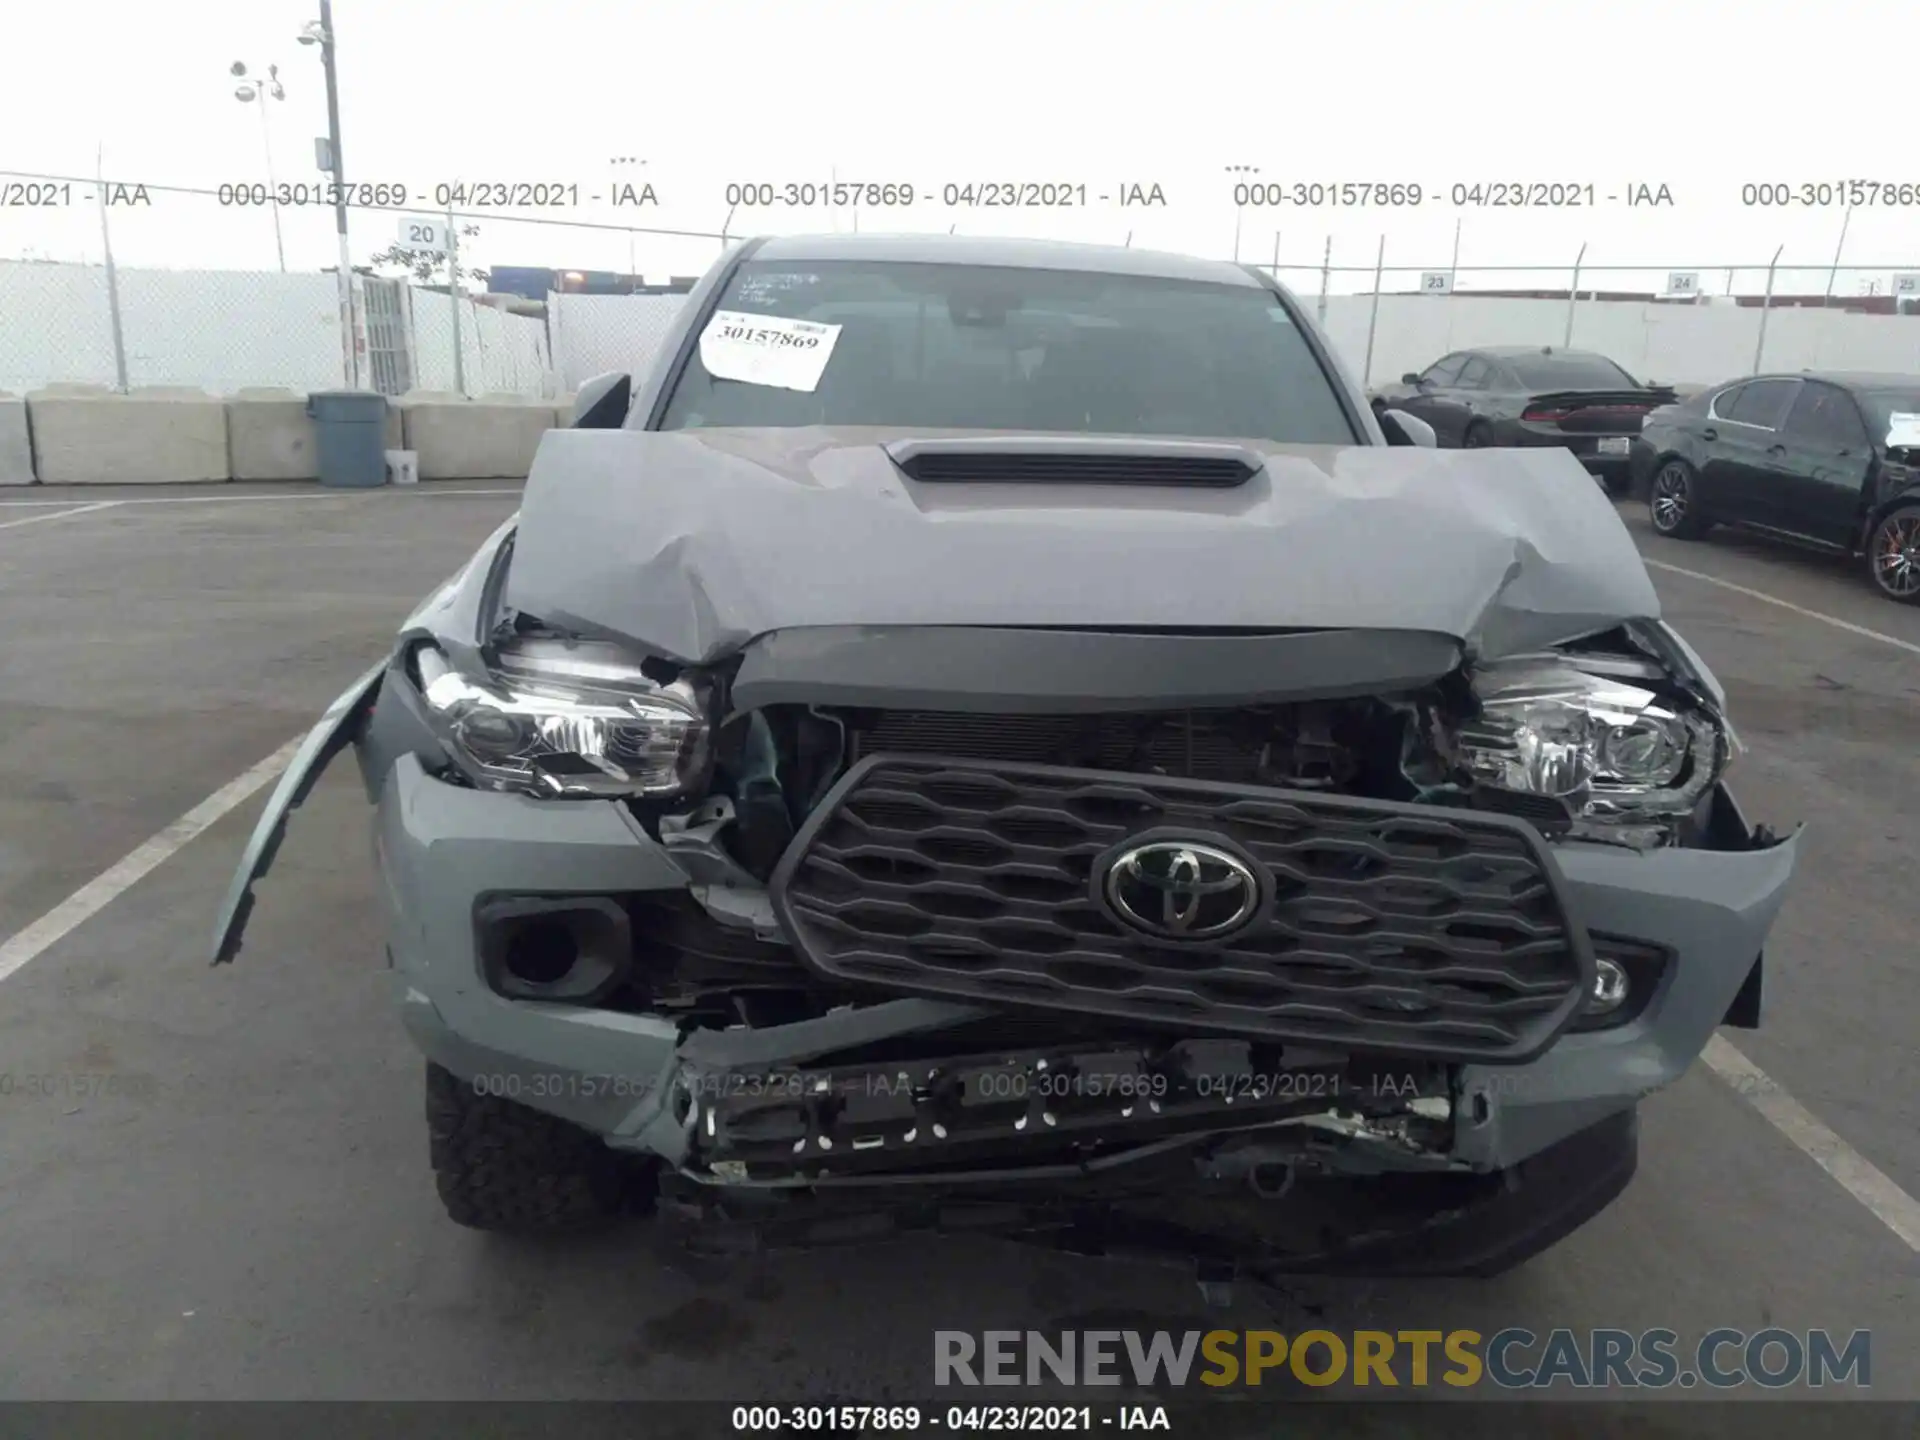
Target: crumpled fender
column 326, row 740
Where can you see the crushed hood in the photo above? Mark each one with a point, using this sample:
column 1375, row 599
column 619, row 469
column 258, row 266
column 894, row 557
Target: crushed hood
column 689, row 544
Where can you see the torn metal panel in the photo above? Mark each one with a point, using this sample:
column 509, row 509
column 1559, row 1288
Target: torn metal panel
column 689, row 544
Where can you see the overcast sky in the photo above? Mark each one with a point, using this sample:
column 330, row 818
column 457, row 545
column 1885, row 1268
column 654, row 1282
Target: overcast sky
column 1698, row 97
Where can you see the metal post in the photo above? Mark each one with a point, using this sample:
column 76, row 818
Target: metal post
column 1454, row 267
column 273, row 188
column 1573, row 295
column 453, row 295
column 349, row 331
column 1276, row 257
column 1326, row 278
column 1239, row 214
column 1379, row 264
column 1766, row 305
column 1845, row 220
column 113, row 276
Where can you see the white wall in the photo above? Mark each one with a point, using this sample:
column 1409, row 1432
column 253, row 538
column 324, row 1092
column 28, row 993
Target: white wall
column 221, row 330
column 1679, row 344
column 215, row 329
column 54, row 325
column 499, row 351
column 593, row 334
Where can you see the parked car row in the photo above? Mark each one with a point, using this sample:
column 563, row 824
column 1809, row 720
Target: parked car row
column 1515, row 395
column 1829, row 459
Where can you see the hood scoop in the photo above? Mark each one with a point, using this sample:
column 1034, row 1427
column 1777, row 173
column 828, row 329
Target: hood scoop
column 1074, row 460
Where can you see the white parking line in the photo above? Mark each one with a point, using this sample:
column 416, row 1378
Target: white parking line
column 58, row 514
column 1847, row 625
column 1857, row 1175
column 22, row 949
column 433, row 490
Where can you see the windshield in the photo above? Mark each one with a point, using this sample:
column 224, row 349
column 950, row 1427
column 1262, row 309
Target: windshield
column 982, row 348
column 1570, row 372
column 1882, row 406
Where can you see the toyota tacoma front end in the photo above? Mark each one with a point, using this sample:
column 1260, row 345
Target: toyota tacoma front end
column 1016, row 774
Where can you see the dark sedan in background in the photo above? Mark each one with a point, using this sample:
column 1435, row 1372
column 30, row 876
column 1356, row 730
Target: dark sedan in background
column 1517, row 395
column 1831, row 459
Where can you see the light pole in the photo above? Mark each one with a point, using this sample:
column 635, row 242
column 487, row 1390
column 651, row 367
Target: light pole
column 247, row 92
column 320, row 32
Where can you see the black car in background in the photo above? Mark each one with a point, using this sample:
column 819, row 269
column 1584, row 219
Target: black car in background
column 1512, row 395
column 1831, row 459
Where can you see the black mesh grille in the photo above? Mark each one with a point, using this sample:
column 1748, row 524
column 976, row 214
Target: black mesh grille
column 1396, row 927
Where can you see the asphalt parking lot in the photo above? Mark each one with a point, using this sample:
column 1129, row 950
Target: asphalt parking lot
column 228, row 1196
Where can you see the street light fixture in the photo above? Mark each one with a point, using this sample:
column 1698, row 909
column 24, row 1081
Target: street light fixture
column 248, row 92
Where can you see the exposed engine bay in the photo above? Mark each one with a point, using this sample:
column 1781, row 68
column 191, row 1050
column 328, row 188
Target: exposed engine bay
column 1336, row 1032
column 1600, row 742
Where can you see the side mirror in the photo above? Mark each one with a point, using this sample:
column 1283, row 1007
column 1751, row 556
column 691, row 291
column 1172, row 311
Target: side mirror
column 602, row 402
column 1400, row 428
column 1409, row 379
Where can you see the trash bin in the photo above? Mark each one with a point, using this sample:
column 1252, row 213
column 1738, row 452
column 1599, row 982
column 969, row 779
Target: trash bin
column 350, row 430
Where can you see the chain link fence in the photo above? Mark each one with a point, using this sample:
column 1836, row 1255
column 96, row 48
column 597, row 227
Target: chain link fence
column 69, row 313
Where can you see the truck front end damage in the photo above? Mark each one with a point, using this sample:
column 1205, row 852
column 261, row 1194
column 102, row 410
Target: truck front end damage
column 1307, row 942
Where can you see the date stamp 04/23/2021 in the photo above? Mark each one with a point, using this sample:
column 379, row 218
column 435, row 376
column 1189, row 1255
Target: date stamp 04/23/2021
column 976, row 1086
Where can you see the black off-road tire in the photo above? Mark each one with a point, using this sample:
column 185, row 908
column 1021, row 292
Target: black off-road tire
column 503, row 1167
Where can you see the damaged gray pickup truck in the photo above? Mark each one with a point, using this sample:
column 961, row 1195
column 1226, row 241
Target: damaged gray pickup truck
column 999, row 737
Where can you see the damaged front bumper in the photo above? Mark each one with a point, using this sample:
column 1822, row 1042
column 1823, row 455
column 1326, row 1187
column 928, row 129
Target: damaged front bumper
column 913, row 1100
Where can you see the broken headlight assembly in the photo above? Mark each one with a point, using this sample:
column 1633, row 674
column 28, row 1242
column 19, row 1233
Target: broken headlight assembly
column 1629, row 761
column 568, row 721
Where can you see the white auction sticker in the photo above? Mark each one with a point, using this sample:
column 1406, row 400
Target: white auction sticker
column 767, row 349
column 1903, row 429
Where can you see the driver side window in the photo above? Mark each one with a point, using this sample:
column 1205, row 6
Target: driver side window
column 1444, row 372
column 1473, row 375
column 1825, row 415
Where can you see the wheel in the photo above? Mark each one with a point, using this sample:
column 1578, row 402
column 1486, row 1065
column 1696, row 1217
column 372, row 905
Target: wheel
column 1893, row 555
column 504, row 1167
column 1479, row 436
column 1671, row 505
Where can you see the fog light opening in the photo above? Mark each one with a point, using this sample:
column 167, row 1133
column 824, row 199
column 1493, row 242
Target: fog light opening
column 542, row 952
column 1610, row 987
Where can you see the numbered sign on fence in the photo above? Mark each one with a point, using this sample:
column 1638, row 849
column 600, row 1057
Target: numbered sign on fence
column 1683, row 282
column 422, row 232
column 1436, row 282
column 1906, row 285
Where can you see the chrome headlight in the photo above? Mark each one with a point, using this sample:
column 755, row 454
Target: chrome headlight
column 1627, row 760
column 569, row 720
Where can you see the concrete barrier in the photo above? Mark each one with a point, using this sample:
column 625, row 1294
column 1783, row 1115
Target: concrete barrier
column 269, row 436
column 492, row 438
column 158, row 435
column 16, row 449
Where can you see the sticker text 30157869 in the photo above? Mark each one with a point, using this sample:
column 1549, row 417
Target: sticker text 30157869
column 767, row 349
